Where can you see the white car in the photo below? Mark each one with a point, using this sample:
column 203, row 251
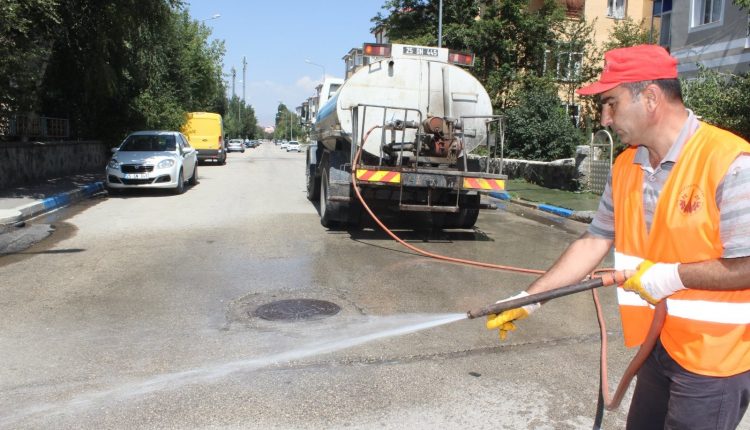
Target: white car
column 293, row 146
column 235, row 145
column 153, row 159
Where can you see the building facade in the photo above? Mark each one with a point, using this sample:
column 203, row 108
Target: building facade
column 712, row 33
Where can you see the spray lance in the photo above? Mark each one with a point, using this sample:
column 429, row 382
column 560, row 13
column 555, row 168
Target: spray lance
column 607, row 279
column 605, row 400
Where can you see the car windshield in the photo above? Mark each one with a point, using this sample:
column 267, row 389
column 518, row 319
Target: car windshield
column 149, row 142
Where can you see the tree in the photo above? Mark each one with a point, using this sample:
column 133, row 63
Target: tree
column 416, row 21
column 538, row 128
column 122, row 65
column 240, row 120
column 722, row 99
column 286, row 120
column 27, row 29
column 509, row 41
column 627, row 32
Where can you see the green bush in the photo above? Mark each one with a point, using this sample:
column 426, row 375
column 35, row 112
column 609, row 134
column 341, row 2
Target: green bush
column 722, row 99
column 538, row 128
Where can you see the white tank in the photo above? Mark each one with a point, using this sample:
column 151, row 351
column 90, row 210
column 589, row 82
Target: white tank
column 426, row 83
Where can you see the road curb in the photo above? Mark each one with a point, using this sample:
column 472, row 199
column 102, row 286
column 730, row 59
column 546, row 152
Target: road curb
column 30, row 210
column 582, row 216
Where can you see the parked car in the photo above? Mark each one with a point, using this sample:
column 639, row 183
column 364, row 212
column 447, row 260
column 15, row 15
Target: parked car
column 153, row 159
column 293, row 146
column 235, row 145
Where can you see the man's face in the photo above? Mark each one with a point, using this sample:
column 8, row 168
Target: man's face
column 623, row 113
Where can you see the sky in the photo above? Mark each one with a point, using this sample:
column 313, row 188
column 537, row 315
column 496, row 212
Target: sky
column 277, row 36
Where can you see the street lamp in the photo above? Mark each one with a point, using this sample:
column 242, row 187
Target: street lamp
column 214, row 16
column 307, row 60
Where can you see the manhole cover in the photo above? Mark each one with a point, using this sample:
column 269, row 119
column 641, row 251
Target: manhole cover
column 297, row 309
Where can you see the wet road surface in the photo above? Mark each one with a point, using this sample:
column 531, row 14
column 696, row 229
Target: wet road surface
column 152, row 321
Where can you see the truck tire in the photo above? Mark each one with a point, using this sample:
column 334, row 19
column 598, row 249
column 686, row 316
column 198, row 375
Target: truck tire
column 313, row 183
column 327, row 215
column 465, row 218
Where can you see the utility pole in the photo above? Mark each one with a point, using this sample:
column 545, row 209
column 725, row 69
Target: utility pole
column 440, row 25
column 234, row 76
column 244, row 70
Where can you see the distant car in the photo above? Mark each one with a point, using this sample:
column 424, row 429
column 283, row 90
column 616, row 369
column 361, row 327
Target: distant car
column 153, row 159
column 293, row 146
column 284, row 143
column 235, row 145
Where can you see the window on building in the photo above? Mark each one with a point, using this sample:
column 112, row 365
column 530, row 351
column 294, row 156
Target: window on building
column 616, row 9
column 565, row 64
column 706, row 12
column 574, row 112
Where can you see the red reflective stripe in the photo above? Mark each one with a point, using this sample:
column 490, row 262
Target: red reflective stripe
column 472, row 183
column 389, row 176
column 365, row 175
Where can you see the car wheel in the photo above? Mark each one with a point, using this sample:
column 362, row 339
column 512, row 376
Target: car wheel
column 194, row 179
column 113, row 191
column 180, row 188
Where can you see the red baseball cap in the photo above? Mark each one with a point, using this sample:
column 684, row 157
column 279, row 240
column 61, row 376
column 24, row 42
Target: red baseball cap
column 632, row 64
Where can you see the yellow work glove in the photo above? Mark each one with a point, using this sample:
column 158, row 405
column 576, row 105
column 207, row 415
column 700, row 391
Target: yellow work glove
column 504, row 321
column 654, row 281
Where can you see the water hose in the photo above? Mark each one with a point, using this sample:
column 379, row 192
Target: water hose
column 600, row 278
column 612, row 278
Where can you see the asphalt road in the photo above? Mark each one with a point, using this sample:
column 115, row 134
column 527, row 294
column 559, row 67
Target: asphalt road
column 139, row 312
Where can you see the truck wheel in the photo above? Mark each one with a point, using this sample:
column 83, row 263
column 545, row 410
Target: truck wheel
column 465, row 218
column 326, row 209
column 313, row 184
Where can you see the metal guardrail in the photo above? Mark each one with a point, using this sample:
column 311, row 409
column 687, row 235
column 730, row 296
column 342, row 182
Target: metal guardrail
column 36, row 126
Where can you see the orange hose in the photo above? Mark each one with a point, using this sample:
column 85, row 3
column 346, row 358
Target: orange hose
column 610, row 276
column 355, row 162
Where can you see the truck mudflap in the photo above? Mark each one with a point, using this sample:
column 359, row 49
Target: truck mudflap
column 427, row 178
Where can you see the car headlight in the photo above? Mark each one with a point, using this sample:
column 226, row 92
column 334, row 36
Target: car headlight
column 114, row 164
column 163, row 164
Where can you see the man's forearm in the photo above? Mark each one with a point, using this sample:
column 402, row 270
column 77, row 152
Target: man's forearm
column 578, row 260
column 720, row 274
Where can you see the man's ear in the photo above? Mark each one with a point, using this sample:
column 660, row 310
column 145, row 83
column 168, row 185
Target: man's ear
column 653, row 95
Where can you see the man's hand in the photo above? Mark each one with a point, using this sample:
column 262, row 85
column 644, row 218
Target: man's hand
column 504, row 322
column 654, row 281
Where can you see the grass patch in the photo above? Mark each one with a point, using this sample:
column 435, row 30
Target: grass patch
column 577, row 201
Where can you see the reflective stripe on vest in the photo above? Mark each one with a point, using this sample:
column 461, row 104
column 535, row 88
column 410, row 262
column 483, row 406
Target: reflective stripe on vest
column 706, row 332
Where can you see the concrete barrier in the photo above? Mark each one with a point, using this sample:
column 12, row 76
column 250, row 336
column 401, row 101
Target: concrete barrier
column 24, row 163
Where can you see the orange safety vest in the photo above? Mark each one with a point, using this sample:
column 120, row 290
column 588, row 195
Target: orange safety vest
column 706, row 332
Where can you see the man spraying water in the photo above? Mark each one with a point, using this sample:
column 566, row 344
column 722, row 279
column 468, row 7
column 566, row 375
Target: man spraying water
column 676, row 210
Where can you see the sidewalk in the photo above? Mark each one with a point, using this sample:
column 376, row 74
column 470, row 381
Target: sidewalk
column 579, row 206
column 21, row 203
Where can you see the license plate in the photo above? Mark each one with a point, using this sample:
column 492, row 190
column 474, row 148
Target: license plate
column 418, row 50
column 136, row 176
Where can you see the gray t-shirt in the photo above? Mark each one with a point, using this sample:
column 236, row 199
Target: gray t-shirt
column 732, row 195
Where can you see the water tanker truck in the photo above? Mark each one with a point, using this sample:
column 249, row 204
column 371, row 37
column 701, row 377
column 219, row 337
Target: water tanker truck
column 405, row 124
